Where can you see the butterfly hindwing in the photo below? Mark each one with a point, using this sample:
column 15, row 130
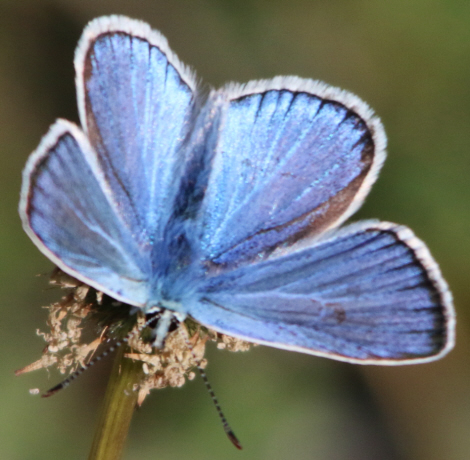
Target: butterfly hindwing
column 370, row 293
column 68, row 213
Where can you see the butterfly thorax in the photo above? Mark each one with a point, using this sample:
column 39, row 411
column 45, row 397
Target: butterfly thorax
column 175, row 268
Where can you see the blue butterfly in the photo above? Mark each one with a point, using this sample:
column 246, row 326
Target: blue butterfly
column 225, row 206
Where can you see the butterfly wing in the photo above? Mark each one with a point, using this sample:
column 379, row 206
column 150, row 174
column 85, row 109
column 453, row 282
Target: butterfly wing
column 136, row 105
column 371, row 294
column 69, row 214
column 293, row 158
column 97, row 202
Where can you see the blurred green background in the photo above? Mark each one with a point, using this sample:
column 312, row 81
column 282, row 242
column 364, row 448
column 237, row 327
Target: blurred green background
column 410, row 60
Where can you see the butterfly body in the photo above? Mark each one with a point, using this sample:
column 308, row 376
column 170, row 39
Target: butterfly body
column 226, row 206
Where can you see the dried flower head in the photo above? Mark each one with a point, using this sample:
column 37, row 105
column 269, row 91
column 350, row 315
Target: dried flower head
column 85, row 318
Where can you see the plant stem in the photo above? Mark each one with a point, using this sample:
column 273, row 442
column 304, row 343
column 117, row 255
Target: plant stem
column 117, row 410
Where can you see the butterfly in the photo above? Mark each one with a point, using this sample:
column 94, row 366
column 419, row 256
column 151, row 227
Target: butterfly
column 225, row 206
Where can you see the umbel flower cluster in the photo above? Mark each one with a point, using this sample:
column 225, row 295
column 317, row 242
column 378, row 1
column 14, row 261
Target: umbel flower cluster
column 85, row 318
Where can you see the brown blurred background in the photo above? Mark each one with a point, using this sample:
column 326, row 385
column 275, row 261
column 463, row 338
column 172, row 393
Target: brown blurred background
column 410, row 60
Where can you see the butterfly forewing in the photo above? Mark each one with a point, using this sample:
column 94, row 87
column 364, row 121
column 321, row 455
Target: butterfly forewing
column 292, row 160
column 136, row 103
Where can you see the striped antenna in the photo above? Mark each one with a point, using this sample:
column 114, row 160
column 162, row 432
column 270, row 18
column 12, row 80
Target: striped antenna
column 227, row 428
column 65, row 383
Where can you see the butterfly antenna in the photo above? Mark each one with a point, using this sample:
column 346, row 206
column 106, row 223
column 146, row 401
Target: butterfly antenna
column 227, row 428
column 65, row 383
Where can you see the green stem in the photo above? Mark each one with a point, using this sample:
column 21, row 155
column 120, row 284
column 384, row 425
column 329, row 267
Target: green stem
column 118, row 407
